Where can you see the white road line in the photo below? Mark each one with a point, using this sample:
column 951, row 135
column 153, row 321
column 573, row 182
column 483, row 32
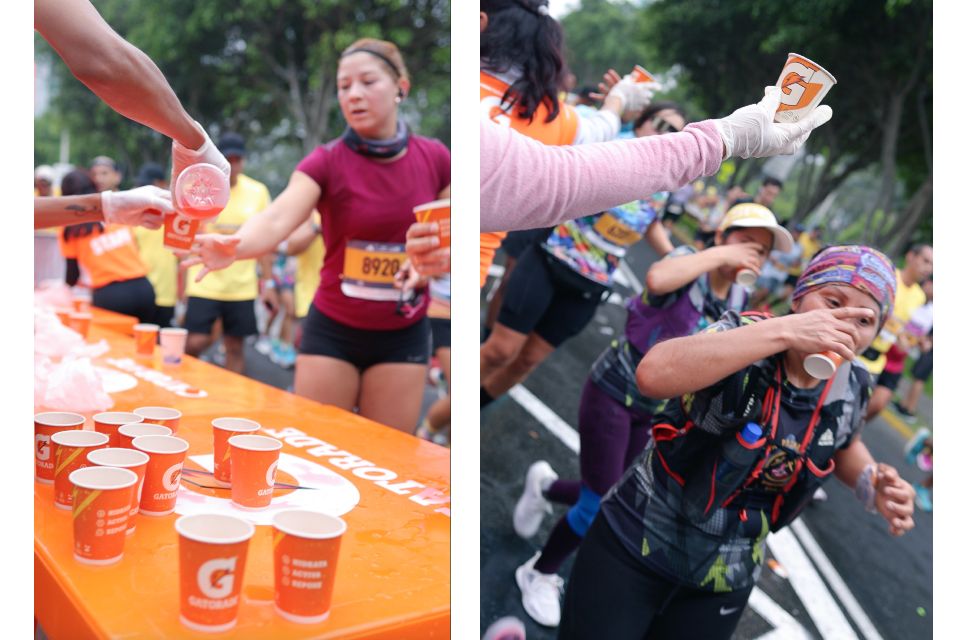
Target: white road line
column 553, row 423
column 495, row 271
column 856, row 612
column 809, row 587
column 785, row 626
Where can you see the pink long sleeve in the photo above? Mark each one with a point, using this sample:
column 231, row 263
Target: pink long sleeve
column 525, row 184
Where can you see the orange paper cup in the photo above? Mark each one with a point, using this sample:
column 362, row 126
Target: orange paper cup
column 128, row 432
column 179, row 231
column 253, row 470
column 131, row 459
column 80, row 322
column 640, row 74
column 70, row 453
column 804, row 84
column 213, row 552
column 161, row 480
column 160, row 415
column 146, row 338
column 437, row 211
column 44, row 426
column 306, row 545
column 822, row 365
column 109, row 422
column 223, row 430
column 101, row 508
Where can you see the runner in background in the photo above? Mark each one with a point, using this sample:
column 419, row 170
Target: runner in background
column 521, row 70
column 918, row 266
column 560, row 282
column 920, row 330
column 709, row 210
column 107, row 256
column 227, row 295
column 435, row 426
column 686, row 291
column 43, row 177
column 768, row 192
column 278, row 278
column 737, row 453
column 363, row 347
column 306, row 243
column 162, row 264
column 105, row 173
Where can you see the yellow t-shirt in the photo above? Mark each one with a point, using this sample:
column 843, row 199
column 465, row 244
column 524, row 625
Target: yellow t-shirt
column 161, row 262
column 308, row 274
column 810, row 246
column 239, row 280
column 908, row 300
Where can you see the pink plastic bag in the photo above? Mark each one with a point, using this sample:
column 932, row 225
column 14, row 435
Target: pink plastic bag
column 73, row 385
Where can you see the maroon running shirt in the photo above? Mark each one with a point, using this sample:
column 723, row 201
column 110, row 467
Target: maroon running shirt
column 366, row 207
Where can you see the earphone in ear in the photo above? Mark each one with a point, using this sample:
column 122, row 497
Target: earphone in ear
column 400, row 94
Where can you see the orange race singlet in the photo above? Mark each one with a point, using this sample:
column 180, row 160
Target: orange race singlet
column 561, row 130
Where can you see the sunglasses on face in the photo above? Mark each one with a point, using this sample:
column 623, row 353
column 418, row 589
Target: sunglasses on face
column 662, row 126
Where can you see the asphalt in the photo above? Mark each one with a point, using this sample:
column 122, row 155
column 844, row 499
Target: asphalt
column 891, row 578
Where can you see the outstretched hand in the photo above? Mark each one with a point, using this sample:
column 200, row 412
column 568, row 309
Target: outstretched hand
column 214, row 251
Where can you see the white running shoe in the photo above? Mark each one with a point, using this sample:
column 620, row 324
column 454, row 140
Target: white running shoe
column 532, row 506
column 541, row 592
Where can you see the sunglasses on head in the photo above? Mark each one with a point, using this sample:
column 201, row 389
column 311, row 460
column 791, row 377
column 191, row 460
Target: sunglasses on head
column 662, row 126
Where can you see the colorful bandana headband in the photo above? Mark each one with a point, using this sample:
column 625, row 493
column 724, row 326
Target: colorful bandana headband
column 855, row 266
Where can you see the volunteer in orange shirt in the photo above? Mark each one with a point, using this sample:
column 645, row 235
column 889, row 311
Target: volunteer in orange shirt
column 108, row 254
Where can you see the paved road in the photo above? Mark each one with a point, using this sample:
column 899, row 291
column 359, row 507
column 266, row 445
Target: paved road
column 887, row 578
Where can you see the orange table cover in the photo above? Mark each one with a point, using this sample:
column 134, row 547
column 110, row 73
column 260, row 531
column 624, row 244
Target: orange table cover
column 112, row 320
column 392, row 489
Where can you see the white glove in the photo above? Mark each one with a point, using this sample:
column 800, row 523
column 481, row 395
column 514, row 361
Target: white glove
column 144, row 206
column 634, row 96
column 750, row 132
column 183, row 158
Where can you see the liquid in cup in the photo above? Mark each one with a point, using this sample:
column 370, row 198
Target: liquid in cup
column 44, row 426
column 161, row 481
column 223, row 430
column 202, row 191
column 213, row 554
column 130, row 459
column 306, row 545
column 109, row 422
column 173, row 344
column 253, row 470
column 165, row 416
column 145, row 336
column 101, row 508
column 804, row 84
column 70, row 450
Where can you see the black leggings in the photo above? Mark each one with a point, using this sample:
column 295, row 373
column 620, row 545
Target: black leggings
column 131, row 297
column 612, row 595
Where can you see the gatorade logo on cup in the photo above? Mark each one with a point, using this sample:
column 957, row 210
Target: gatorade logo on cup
column 43, row 447
column 171, row 477
column 272, row 474
column 215, row 578
column 804, row 84
column 179, row 231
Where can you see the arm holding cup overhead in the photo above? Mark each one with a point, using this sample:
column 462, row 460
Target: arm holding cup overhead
column 261, row 233
column 525, row 184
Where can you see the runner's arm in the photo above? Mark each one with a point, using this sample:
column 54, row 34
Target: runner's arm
column 894, row 496
column 302, row 237
column 263, row 232
column 669, row 274
column 58, row 211
column 120, row 74
column 851, row 461
column 659, row 239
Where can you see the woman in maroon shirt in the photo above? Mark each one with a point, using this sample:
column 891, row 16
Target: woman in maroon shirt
column 363, row 346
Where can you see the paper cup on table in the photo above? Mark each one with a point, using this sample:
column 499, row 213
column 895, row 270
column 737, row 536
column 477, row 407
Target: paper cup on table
column 306, row 545
column 70, row 450
column 253, row 470
column 44, row 426
column 173, row 344
column 822, row 365
column 161, row 480
column 80, row 322
column 213, row 553
column 746, row 277
column 131, row 459
column 223, row 430
column 82, row 301
column 126, row 433
column 437, row 211
column 165, row 416
column 145, row 336
column 804, row 84
column 101, row 508
column 109, row 422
